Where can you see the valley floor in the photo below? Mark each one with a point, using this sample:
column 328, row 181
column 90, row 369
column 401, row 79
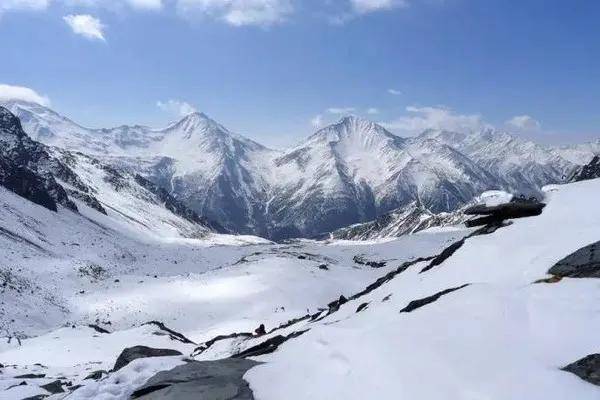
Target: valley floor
column 467, row 324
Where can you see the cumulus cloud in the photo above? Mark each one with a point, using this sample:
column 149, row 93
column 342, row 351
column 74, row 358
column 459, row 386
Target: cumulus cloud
column 10, row 92
column 177, row 108
column 239, row 12
column 86, row 26
column 31, row 5
column 341, row 110
column 420, row 119
column 524, row 123
column 369, row 6
column 394, row 92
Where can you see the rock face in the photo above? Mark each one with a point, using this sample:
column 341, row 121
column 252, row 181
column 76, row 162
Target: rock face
column 588, row 369
column 584, row 263
column 589, row 171
column 27, row 168
column 133, row 353
column 221, row 379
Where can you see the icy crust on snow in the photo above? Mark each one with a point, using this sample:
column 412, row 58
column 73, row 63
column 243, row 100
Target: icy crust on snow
column 495, row 339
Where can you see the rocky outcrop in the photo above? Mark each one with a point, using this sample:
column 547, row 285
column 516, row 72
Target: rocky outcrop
column 133, row 353
column 415, row 304
column 584, row 263
column 588, row 369
column 221, row 379
column 26, row 166
column 589, row 171
column 497, row 214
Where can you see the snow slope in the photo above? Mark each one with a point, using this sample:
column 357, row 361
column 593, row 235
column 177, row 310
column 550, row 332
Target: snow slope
column 501, row 337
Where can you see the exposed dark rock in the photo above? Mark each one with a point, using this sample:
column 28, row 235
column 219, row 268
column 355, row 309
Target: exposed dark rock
column 335, row 305
column 323, row 267
column 495, row 215
column 362, row 307
column 23, row 383
column 589, row 171
column 552, row 279
column 268, row 346
column 587, row 368
column 30, row 376
column 389, row 276
column 206, row 345
column 53, row 387
column 98, row 328
column 413, row 305
column 260, row 330
column 133, row 353
column 584, row 263
column 373, row 264
column 221, row 379
column 174, row 335
column 27, row 168
column 96, row 375
column 444, row 255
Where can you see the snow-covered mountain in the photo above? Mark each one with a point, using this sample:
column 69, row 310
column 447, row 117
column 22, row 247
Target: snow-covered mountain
column 519, row 165
column 407, row 220
column 53, row 177
column 350, row 172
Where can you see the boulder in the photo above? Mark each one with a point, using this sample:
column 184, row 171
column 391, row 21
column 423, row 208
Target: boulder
column 133, row 353
column 588, row 369
column 221, row 379
column 584, row 263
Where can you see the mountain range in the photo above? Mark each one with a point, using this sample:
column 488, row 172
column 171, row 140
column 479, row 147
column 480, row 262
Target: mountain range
column 350, row 172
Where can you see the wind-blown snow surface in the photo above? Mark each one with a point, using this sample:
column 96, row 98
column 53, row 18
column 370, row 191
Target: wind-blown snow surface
column 350, row 172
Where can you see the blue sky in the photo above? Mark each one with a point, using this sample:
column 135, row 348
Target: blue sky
column 274, row 70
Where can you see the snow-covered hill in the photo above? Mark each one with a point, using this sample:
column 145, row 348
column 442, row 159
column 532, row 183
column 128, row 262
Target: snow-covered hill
column 350, row 172
column 445, row 304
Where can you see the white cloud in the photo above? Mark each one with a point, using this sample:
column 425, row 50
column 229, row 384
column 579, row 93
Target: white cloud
column 146, row 4
column 373, row 111
column 317, row 121
column 86, row 26
column 239, row 12
column 394, row 92
column 341, row 110
column 176, row 107
column 9, row 92
column 420, row 119
column 524, row 123
column 369, row 6
column 31, row 5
